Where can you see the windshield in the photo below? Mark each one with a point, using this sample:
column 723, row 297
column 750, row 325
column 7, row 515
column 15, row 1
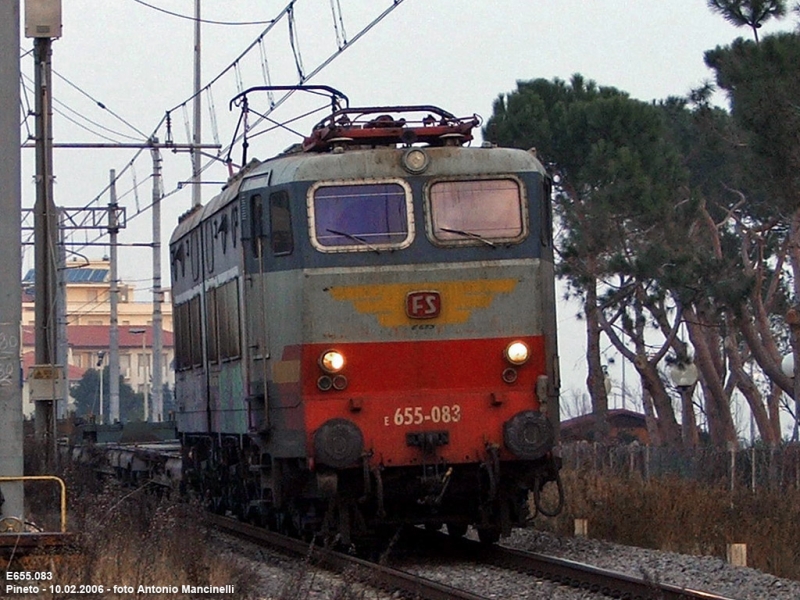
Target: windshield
column 361, row 217
column 479, row 211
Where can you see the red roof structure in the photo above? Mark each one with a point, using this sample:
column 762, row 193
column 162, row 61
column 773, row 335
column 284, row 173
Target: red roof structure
column 97, row 336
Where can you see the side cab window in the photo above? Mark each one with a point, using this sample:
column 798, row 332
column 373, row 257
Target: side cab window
column 280, row 219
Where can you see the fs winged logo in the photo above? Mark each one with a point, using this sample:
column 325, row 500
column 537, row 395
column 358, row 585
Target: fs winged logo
column 423, row 304
column 385, row 302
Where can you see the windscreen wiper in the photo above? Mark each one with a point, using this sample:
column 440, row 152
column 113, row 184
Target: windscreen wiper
column 469, row 234
column 355, row 238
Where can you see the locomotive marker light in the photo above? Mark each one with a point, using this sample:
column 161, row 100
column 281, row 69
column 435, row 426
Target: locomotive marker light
column 510, row 375
column 517, row 353
column 331, row 361
column 415, row 160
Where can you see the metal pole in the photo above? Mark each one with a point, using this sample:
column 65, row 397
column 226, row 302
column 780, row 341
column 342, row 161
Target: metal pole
column 113, row 342
column 196, row 155
column 45, row 242
column 100, row 366
column 157, row 392
column 62, row 351
column 144, row 356
column 11, row 463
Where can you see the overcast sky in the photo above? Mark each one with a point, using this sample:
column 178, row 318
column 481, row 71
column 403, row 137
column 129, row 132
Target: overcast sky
column 457, row 54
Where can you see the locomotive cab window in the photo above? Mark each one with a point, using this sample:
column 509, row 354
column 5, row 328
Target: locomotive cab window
column 477, row 211
column 363, row 217
column 280, row 219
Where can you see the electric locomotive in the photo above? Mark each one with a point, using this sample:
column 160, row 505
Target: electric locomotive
column 365, row 332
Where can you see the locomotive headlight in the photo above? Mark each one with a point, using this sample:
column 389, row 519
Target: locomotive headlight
column 517, row 353
column 331, row 361
column 415, row 160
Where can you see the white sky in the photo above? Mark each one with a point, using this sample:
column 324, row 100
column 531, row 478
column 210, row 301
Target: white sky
column 457, row 54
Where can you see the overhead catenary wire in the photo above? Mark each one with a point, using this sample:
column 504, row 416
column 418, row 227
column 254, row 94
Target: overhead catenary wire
column 75, row 122
column 295, row 44
column 265, row 71
column 234, row 65
column 212, row 115
column 204, row 21
column 100, row 104
column 338, row 24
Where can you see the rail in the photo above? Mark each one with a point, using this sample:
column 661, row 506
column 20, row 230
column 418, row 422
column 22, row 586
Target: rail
column 369, row 573
column 564, row 572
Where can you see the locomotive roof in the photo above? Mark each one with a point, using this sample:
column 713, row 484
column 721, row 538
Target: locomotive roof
column 371, row 163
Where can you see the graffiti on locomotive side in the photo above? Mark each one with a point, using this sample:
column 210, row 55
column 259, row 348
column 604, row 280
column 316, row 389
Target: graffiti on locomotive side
column 9, row 353
column 416, row 415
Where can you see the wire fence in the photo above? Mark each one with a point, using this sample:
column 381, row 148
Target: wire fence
column 755, row 468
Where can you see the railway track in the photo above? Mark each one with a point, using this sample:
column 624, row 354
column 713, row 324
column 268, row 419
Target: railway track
column 565, row 572
column 369, row 573
column 580, row 576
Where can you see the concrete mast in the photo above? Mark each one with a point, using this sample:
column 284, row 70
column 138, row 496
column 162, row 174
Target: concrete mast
column 11, row 464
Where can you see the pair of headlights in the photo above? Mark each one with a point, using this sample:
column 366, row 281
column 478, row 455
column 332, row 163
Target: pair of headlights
column 517, row 353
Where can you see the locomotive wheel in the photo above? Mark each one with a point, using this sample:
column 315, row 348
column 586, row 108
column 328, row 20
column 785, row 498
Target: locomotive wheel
column 456, row 530
column 489, row 535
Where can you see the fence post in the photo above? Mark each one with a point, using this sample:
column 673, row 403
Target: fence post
column 732, row 451
column 737, row 555
column 581, row 528
column 753, row 469
column 631, row 461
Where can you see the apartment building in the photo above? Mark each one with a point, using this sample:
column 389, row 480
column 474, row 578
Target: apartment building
column 88, row 310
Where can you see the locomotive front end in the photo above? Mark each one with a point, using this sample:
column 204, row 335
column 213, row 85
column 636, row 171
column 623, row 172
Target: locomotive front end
column 366, row 332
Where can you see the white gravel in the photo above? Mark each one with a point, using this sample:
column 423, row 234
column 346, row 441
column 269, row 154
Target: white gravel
column 705, row 573
column 282, row 578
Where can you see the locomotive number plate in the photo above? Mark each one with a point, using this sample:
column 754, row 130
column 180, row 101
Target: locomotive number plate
column 416, row 415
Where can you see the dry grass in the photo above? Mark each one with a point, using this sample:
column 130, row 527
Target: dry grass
column 685, row 516
column 133, row 539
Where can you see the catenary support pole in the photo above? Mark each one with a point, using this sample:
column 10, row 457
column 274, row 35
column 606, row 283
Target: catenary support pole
column 46, row 241
column 11, row 464
column 157, row 395
column 197, row 107
column 113, row 334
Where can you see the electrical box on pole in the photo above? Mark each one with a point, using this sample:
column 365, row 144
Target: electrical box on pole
column 43, row 19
